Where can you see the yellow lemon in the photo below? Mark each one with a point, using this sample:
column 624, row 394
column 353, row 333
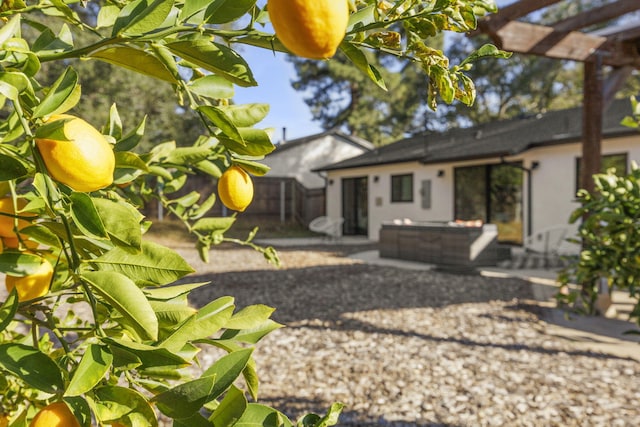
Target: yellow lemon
column 310, row 28
column 55, row 415
column 33, row 285
column 235, row 188
column 85, row 162
column 7, row 221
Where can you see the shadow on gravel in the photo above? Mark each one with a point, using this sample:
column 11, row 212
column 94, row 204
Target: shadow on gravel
column 327, row 292
column 347, row 418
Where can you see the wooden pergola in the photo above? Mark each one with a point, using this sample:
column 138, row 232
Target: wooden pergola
column 615, row 46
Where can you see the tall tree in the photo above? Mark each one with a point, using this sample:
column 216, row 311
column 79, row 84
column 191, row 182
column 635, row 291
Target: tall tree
column 341, row 96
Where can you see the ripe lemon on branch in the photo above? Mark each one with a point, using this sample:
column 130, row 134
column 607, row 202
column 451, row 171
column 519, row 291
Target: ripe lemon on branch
column 57, row 414
column 311, row 29
column 79, row 156
column 7, row 221
column 33, row 285
column 235, row 189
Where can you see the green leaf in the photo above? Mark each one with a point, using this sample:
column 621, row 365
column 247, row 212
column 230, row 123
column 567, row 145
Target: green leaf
column 63, row 95
column 222, row 122
column 10, row 29
column 86, row 217
column 147, row 355
column 359, row 59
column 198, row 211
column 250, row 317
column 141, row 16
column 19, row 263
column 230, row 409
column 209, row 319
column 95, row 363
column 196, row 420
column 209, row 168
column 192, row 7
column 485, row 51
column 14, row 83
column 154, row 265
column 107, row 16
column 170, row 314
column 131, row 139
column 80, row 409
column 188, row 155
column 226, row 370
column 166, row 293
column 150, row 18
column 114, row 127
column 212, row 86
column 129, row 160
column 135, row 60
column 120, row 292
column 246, row 115
column 216, row 58
column 223, row 11
column 121, row 221
column 211, row 226
column 258, row 142
column 8, row 309
column 114, row 403
column 257, row 415
column 11, row 168
column 254, row 334
column 32, row 366
column 330, row 419
column 49, row 44
column 254, row 168
column 186, row 399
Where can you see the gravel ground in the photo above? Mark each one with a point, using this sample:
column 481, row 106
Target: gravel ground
column 414, row 348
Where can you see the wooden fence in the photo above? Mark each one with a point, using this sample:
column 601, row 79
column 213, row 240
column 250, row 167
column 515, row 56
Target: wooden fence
column 283, row 200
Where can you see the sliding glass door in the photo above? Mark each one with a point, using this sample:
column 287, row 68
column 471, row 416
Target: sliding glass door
column 493, row 194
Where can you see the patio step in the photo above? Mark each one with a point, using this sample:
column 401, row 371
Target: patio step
column 533, row 261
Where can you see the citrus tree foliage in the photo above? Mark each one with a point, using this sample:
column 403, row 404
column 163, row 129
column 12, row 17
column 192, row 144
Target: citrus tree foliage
column 610, row 218
column 114, row 337
column 610, row 238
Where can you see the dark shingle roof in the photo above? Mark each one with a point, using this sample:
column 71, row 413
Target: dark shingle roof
column 495, row 139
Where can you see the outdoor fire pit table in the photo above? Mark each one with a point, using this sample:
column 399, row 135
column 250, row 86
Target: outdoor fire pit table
column 462, row 245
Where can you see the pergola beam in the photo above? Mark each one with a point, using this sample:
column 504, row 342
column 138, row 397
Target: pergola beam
column 523, row 37
column 597, row 15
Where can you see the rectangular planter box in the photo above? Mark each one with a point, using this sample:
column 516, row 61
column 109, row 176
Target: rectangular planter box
column 442, row 244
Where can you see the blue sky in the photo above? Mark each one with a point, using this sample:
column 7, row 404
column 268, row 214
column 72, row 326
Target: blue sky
column 274, row 75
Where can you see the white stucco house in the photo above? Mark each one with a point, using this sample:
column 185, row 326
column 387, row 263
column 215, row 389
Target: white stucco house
column 521, row 174
column 297, row 158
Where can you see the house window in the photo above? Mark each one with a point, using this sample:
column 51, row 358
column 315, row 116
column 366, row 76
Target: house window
column 616, row 161
column 402, row 188
column 491, row 193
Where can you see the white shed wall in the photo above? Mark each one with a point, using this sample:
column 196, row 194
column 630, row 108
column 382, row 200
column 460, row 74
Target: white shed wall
column 298, row 161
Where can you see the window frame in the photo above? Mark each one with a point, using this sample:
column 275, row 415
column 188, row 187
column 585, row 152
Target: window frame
column 397, row 196
column 578, row 172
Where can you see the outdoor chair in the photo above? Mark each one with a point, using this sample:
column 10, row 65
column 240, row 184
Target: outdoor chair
column 551, row 244
column 330, row 227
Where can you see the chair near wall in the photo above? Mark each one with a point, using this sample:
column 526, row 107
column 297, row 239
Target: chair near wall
column 330, row 227
column 551, row 244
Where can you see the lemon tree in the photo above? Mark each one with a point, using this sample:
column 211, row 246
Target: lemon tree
column 96, row 329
